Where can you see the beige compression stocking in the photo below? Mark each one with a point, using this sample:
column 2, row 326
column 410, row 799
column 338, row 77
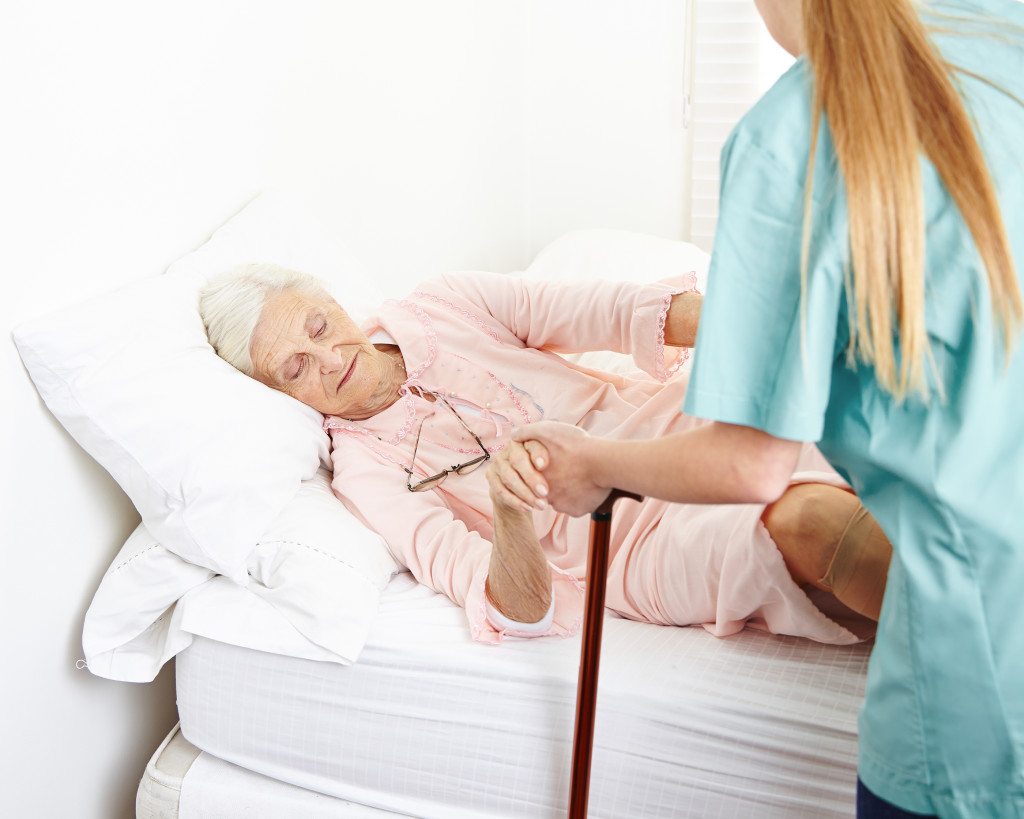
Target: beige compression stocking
column 860, row 564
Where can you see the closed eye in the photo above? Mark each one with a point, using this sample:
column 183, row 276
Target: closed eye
column 296, row 371
column 321, row 330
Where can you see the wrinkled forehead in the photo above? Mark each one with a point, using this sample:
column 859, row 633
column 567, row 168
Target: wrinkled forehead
column 286, row 319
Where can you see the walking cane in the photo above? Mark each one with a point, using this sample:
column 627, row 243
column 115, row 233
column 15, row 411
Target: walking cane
column 590, row 653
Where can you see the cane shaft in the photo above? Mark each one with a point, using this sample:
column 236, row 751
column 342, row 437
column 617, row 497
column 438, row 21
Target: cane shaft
column 590, row 659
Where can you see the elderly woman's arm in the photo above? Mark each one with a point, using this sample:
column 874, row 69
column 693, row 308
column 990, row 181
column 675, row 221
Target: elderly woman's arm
column 575, row 317
column 519, row 581
column 442, row 552
column 682, row 319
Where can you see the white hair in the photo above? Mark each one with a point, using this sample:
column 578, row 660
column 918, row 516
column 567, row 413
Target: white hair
column 231, row 305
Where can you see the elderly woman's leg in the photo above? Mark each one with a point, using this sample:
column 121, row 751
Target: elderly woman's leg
column 711, row 564
column 829, row 541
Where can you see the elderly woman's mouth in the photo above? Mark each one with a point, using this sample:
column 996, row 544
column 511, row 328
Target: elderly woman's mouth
column 348, row 373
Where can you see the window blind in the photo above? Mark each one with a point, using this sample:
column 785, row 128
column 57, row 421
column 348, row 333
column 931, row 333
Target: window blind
column 734, row 62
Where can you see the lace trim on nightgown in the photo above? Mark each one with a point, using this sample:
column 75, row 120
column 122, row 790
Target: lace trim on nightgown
column 479, row 322
column 333, row 423
column 413, row 383
column 661, row 372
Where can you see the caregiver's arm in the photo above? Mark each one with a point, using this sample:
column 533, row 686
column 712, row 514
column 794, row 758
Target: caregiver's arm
column 717, row 463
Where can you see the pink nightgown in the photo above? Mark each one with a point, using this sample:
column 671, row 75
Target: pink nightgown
column 489, row 343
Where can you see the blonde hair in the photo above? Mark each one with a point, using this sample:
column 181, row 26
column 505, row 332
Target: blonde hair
column 872, row 62
column 231, row 304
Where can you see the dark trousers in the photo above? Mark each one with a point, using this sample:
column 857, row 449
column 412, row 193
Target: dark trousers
column 870, row 806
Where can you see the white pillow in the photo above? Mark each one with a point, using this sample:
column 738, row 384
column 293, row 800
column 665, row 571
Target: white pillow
column 208, row 456
column 617, row 255
column 317, row 574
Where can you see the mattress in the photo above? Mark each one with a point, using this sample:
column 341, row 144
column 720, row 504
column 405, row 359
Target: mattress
column 182, row 782
column 430, row 724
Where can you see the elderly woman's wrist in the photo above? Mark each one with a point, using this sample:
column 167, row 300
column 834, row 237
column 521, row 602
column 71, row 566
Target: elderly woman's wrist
column 511, row 509
column 513, row 528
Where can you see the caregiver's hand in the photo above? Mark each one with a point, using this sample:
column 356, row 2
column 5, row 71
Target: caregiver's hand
column 569, row 474
column 514, row 479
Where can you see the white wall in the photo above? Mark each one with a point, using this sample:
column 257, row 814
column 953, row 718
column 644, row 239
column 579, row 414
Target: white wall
column 605, row 138
column 458, row 133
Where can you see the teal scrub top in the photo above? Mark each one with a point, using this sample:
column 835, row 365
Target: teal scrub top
column 942, row 728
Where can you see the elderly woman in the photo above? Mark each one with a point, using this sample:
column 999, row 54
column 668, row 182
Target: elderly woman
column 421, row 402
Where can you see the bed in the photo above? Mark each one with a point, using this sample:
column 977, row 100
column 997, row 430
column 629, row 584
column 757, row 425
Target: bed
column 307, row 683
column 430, row 724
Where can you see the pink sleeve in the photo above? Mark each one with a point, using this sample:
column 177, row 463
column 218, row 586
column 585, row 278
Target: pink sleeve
column 426, row 538
column 570, row 317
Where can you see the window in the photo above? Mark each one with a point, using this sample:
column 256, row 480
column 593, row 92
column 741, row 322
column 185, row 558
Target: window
column 734, row 62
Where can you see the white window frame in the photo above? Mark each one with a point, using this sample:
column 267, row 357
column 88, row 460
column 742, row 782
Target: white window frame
column 732, row 61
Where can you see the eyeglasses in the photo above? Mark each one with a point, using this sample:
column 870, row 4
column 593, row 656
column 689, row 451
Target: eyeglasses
column 458, row 469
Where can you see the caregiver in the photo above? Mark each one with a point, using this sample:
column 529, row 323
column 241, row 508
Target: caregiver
column 863, row 294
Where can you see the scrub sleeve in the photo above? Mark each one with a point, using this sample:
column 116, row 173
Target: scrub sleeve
column 762, row 359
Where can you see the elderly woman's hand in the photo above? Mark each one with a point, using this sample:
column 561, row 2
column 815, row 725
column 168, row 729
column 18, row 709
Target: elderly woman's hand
column 572, row 487
column 514, row 479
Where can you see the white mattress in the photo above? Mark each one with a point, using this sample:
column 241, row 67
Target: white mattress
column 430, row 724
column 182, row 782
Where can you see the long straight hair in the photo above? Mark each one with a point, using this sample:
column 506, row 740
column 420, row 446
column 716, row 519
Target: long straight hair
column 889, row 96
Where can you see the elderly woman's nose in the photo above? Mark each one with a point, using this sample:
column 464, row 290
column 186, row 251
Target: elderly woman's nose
column 333, row 360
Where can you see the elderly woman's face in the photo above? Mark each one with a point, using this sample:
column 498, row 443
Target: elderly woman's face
column 308, row 347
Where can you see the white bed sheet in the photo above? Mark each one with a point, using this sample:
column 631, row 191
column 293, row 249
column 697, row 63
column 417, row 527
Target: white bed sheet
column 430, row 724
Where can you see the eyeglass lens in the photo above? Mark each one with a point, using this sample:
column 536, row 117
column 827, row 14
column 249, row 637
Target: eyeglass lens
column 429, row 483
column 465, row 469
